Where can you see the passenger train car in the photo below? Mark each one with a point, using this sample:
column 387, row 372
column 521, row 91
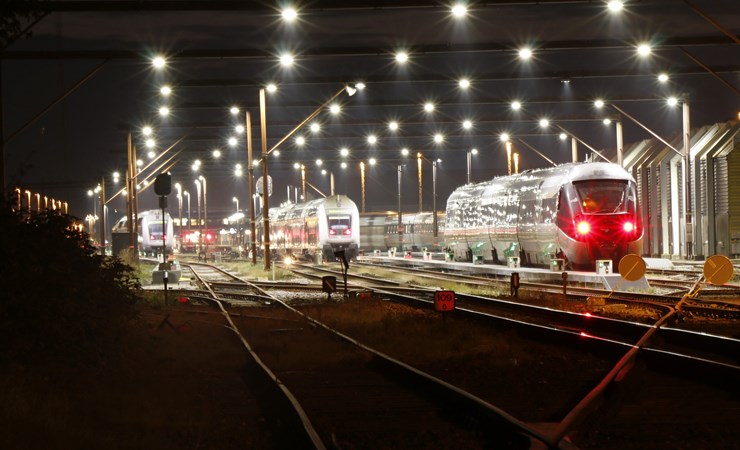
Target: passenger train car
column 379, row 231
column 580, row 212
column 320, row 226
column 150, row 231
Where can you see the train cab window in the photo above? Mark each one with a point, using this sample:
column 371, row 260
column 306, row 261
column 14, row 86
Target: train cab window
column 602, row 196
column 340, row 225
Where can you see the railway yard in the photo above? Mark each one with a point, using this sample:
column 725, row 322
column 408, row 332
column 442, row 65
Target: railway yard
column 380, row 368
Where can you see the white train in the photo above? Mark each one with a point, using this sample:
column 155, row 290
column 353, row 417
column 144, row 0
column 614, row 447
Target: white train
column 150, row 231
column 579, row 212
column 320, row 226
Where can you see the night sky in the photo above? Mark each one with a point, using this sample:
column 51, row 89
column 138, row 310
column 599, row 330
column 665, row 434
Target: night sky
column 217, row 59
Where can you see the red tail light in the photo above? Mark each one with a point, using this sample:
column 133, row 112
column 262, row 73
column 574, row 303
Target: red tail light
column 628, row 227
column 332, row 231
column 348, row 232
column 583, row 228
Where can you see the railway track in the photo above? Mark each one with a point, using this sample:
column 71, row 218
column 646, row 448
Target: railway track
column 621, row 346
column 712, row 301
column 691, row 353
column 341, row 391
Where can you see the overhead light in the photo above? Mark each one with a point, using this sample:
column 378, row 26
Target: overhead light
column 150, row 143
column 402, row 57
column 289, row 14
column 467, row 124
column 158, row 62
column 164, row 111
column 615, row 6
column 607, row 121
column 335, row 109
column 644, row 49
column 504, row 137
column 239, row 129
column 300, row 140
column 438, row 138
column 663, row 78
column 459, row 10
column 464, row 83
column 286, row 59
column 232, row 141
column 525, row 53
column 360, row 85
column 350, row 90
column 271, row 88
column 405, row 151
column 672, row 101
column 428, row 107
column 516, row 106
column 563, row 136
column 165, row 90
column 217, row 153
column 344, row 151
column 315, row 127
column 599, row 103
column 372, row 139
column 234, row 110
column 544, row 123
column 393, row 125
column 146, row 131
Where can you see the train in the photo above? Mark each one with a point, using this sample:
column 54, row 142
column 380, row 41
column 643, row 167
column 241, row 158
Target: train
column 150, row 231
column 317, row 227
column 379, row 231
column 577, row 212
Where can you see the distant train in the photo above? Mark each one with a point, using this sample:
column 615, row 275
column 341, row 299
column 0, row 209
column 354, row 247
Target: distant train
column 379, row 231
column 578, row 212
column 150, row 231
column 320, row 226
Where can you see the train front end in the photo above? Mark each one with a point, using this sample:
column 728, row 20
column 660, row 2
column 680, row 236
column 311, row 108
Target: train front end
column 598, row 216
column 339, row 227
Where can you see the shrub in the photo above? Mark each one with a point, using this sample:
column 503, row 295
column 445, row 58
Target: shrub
column 60, row 301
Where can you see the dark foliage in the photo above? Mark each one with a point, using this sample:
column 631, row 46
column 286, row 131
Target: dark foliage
column 60, row 301
column 17, row 18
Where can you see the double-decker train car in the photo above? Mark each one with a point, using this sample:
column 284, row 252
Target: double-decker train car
column 579, row 212
column 320, row 226
column 150, row 231
column 379, row 231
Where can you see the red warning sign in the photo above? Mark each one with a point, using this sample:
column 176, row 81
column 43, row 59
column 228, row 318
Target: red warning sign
column 444, row 300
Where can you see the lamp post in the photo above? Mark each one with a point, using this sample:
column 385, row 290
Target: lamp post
column 200, row 224
column 205, row 213
column 435, row 225
column 362, row 183
column 238, row 237
column 400, row 217
column 188, row 195
column 178, row 186
column 470, row 162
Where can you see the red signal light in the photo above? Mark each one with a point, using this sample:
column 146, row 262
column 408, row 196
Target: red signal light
column 628, row 227
column 583, row 228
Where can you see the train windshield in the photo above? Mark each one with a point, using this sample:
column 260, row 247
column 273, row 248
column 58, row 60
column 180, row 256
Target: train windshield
column 155, row 228
column 339, row 222
column 603, row 196
column 339, row 225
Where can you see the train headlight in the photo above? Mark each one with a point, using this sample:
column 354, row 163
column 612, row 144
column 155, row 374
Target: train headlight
column 583, row 228
column 629, row 227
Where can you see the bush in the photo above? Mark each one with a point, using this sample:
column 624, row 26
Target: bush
column 60, row 301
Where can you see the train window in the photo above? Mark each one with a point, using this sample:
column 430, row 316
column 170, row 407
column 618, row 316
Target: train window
column 602, row 196
column 339, row 222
